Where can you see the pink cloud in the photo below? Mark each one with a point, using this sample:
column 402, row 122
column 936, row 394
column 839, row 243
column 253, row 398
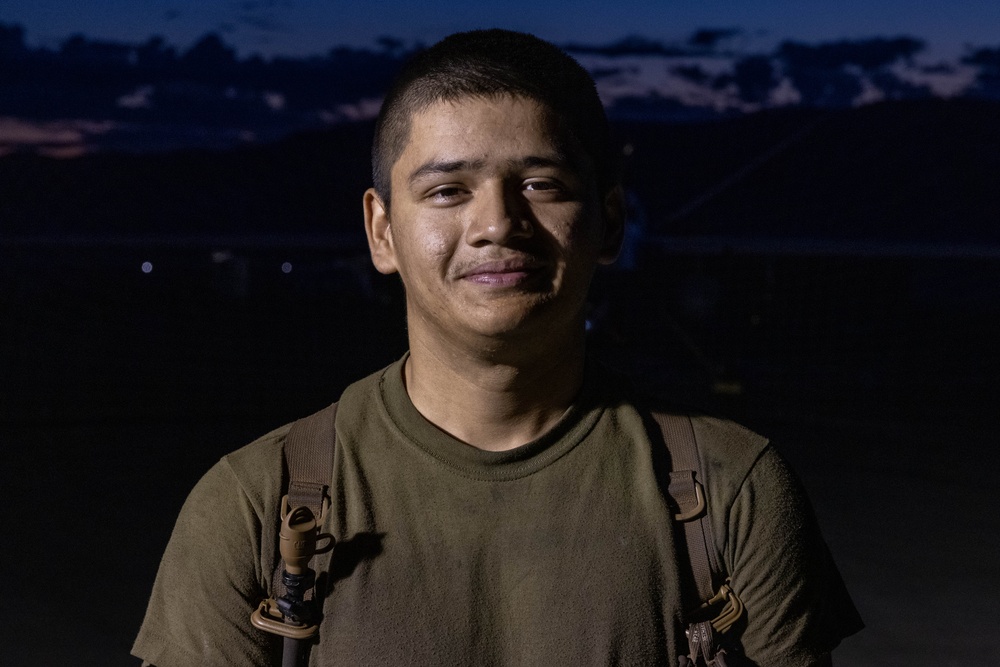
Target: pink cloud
column 55, row 138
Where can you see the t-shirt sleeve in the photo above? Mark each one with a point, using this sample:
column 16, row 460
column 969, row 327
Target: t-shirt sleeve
column 209, row 582
column 797, row 607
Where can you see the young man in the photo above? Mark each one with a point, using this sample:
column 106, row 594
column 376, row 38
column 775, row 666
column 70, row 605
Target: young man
column 496, row 498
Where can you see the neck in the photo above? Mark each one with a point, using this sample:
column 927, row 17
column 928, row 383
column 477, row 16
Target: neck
column 490, row 400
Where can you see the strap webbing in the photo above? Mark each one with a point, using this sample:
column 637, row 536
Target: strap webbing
column 309, row 448
column 685, row 464
column 311, row 441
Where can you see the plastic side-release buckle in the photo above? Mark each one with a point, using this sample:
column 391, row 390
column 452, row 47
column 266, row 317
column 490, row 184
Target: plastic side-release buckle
column 267, row 618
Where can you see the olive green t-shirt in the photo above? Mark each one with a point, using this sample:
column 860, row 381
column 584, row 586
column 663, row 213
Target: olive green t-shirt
column 559, row 552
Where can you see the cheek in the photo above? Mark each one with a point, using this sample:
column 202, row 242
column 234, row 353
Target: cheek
column 581, row 230
column 436, row 244
column 425, row 249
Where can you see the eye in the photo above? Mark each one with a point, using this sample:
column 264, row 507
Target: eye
column 546, row 188
column 540, row 185
column 446, row 194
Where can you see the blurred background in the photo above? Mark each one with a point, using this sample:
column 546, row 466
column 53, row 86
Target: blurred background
column 813, row 249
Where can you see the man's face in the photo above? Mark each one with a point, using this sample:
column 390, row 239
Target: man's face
column 495, row 226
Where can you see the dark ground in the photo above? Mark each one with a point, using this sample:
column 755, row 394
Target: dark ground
column 118, row 394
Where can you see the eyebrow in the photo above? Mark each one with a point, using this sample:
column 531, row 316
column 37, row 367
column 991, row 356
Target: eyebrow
column 559, row 160
column 435, row 167
column 444, row 167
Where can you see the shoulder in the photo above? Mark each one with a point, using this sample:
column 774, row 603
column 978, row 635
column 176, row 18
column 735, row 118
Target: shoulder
column 730, row 455
column 726, row 446
column 257, row 468
column 767, row 534
column 727, row 451
column 260, row 449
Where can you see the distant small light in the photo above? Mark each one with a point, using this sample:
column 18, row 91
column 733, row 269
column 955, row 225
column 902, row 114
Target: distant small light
column 221, row 256
column 286, row 267
column 147, row 267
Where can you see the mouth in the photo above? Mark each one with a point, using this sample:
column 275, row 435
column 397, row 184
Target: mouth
column 503, row 273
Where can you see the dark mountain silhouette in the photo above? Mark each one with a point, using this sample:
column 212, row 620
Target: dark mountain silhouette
column 920, row 171
column 310, row 182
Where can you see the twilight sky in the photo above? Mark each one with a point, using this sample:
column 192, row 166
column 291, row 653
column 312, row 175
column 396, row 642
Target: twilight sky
column 306, row 27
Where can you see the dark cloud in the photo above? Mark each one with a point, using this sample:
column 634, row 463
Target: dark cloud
column 938, row 68
column 755, row 78
column 868, row 54
column 95, row 52
column 154, row 85
column 12, row 44
column 830, row 74
column 984, row 57
column 826, row 88
column 988, row 79
column 210, row 54
column 656, row 107
column 601, row 73
column 692, row 73
column 632, row 45
column 895, row 88
column 709, row 38
column 155, row 55
column 721, row 82
column 390, row 44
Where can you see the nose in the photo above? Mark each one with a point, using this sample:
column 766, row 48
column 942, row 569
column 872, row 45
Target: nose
column 499, row 216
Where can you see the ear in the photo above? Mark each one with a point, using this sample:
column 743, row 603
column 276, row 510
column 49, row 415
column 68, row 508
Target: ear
column 379, row 233
column 613, row 213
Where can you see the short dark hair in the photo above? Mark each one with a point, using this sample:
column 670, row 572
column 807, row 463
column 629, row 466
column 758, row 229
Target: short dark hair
column 491, row 64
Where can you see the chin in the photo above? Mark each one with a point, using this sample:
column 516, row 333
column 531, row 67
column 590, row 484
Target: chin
column 535, row 325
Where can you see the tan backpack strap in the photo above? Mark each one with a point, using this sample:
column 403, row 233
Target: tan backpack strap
column 309, row 448
column 688, row 495
column 718, row 607
column 292, row 611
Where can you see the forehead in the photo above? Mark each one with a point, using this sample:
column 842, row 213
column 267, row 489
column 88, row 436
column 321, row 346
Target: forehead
column 483, row 129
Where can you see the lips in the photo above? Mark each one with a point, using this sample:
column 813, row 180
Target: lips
column 503, row 272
